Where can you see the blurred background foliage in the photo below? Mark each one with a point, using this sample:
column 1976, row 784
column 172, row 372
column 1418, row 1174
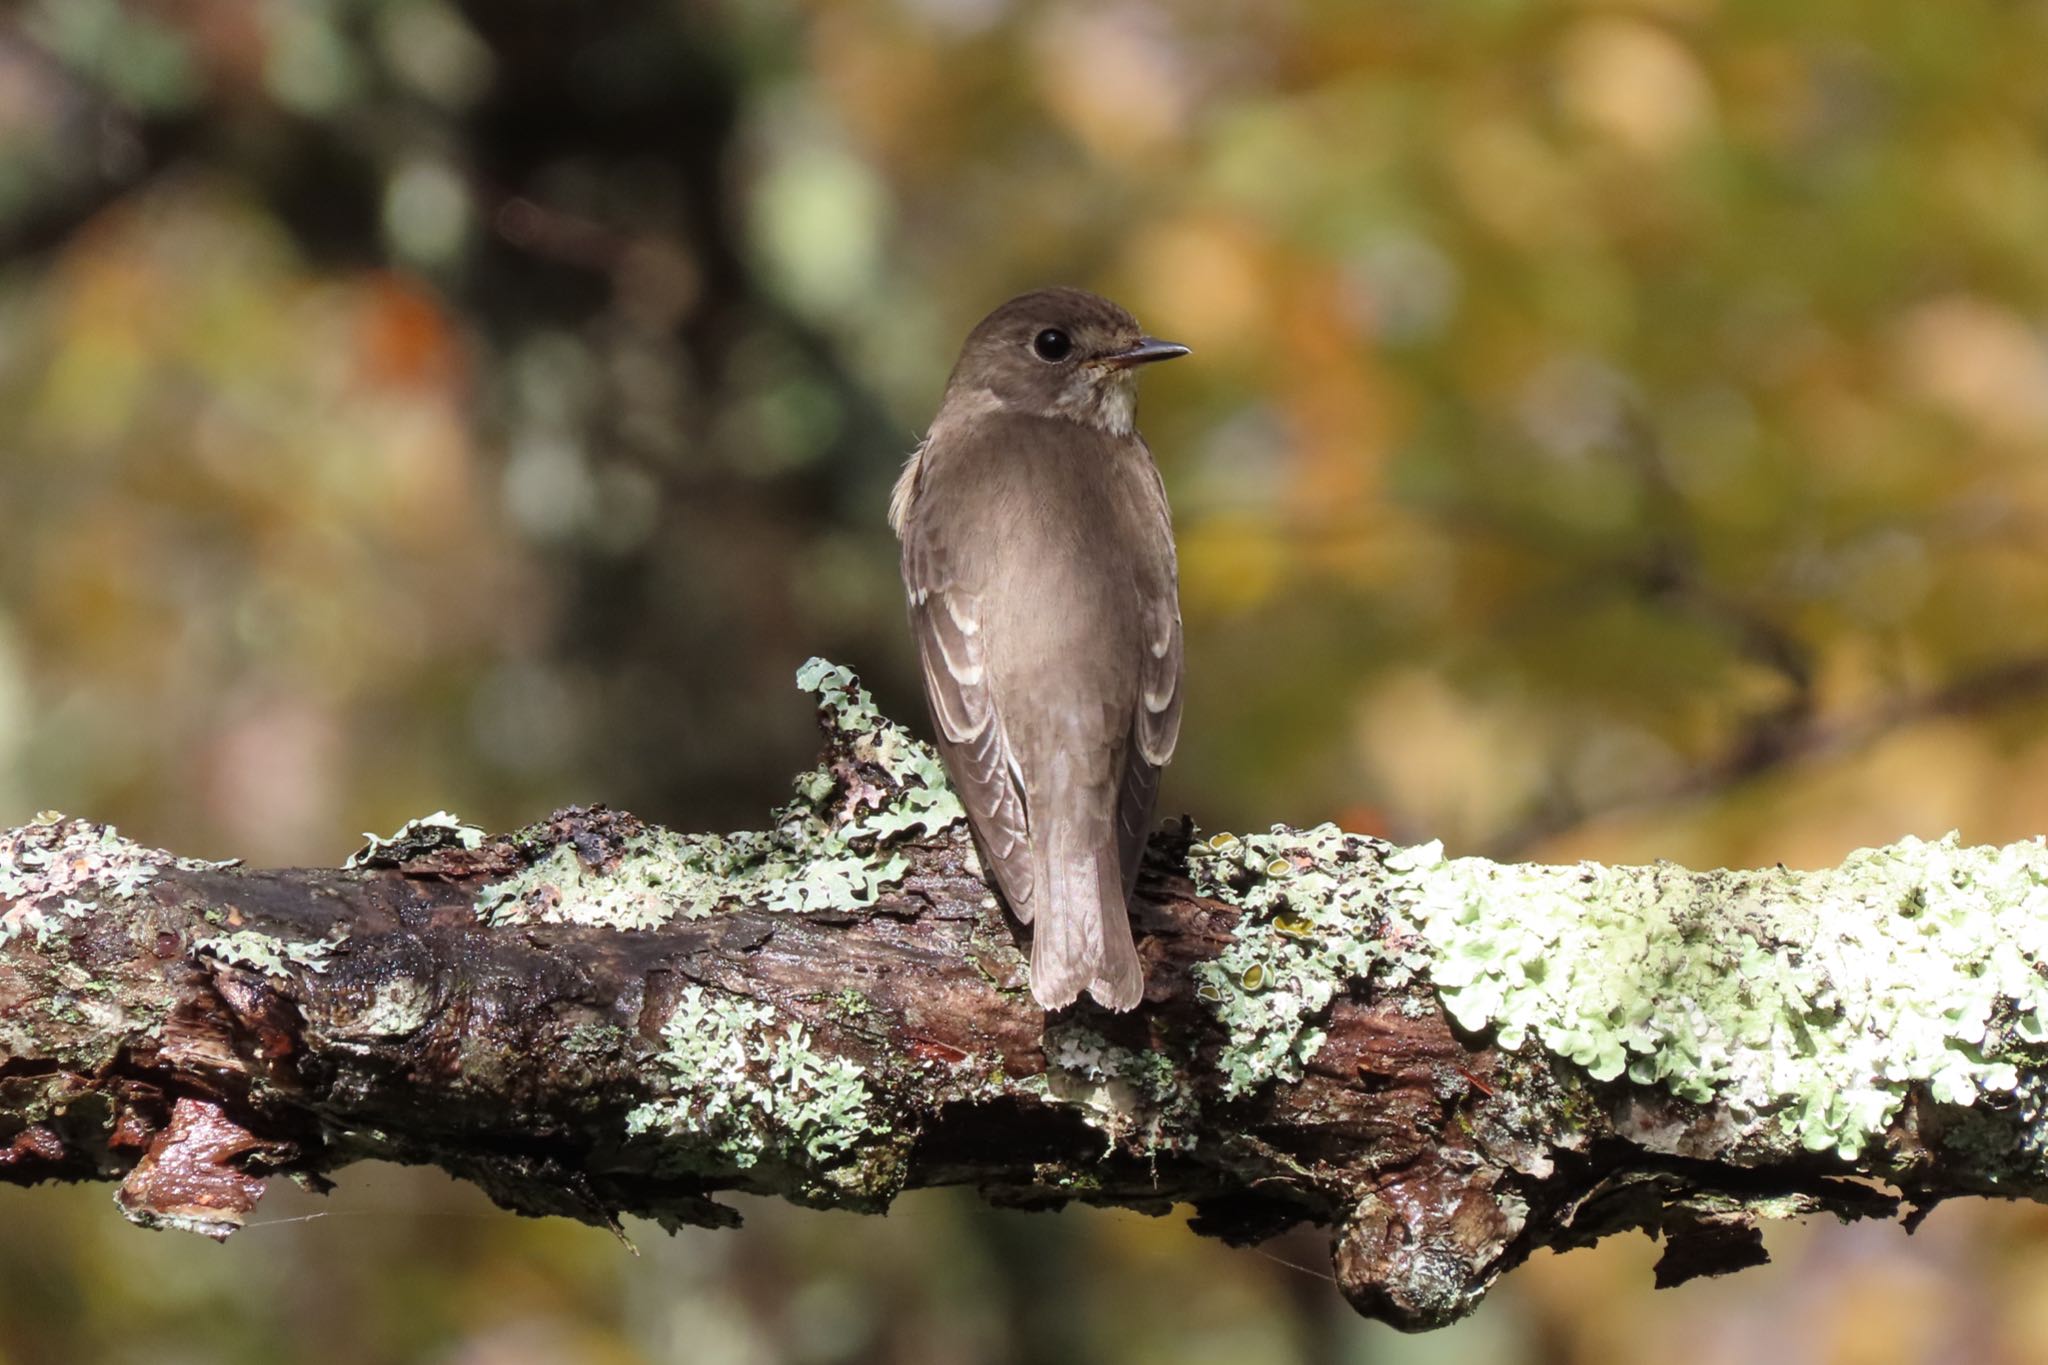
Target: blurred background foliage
column 1617, row 428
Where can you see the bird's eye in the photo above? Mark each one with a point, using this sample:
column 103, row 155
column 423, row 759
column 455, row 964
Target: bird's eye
column 1052, row 345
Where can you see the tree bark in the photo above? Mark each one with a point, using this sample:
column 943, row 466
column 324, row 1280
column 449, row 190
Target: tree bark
column 1450, row 1063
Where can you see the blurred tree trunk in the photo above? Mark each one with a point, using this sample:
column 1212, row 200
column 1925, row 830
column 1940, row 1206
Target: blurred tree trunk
column 628, row 363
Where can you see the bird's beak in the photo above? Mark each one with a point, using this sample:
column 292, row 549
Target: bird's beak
column 1145, row 352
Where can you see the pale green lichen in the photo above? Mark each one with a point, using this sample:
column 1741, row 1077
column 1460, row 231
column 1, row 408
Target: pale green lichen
column 53, row 868
column 745, row 1085
column 801, row 864
column 268, row 954
column 924, row 799
column 850, row 1004
column 414, row 838
column 48, row 923
column 1313, row 926
column 829, row 849
column 1819, row 998
column 397, row 1007
column 1131, row 1097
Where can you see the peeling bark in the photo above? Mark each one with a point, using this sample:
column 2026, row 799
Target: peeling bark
column 193, row 1030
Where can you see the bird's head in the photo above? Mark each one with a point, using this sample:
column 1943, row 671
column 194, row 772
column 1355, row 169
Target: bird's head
column 1058, row 353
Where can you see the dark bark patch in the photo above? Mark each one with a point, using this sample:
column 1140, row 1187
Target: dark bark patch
column 1711, row 1245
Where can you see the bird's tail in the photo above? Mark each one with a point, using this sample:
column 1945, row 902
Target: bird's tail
column 1081, row 933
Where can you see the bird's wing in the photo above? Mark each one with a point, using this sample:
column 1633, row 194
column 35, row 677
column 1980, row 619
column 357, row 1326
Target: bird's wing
column 1155, row 729
column 946, row 616
column 1134, row 814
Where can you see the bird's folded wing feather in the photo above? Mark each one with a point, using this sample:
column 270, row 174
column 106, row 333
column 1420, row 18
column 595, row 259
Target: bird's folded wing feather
column 946, row 616
column 1156, row 727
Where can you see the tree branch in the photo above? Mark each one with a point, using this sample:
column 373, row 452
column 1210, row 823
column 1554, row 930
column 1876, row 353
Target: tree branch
column 1450, row 1063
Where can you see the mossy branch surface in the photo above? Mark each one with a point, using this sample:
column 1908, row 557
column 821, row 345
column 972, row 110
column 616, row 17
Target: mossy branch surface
column 1447, row 1062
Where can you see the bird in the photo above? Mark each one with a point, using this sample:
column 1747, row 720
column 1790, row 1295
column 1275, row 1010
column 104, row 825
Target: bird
column 1044, row 595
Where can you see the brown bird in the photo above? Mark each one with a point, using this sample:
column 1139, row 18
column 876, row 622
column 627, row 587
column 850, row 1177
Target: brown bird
column 1038, row 557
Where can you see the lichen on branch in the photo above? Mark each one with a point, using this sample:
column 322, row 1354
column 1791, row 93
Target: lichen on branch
column 1448, row 1062
column 1817, row 1000
column 834, row 847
